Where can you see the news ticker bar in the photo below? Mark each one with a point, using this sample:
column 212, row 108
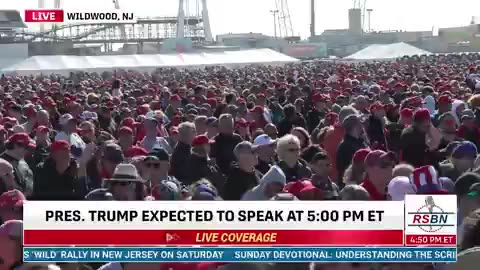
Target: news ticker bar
column 240, row 254
column 213, row 237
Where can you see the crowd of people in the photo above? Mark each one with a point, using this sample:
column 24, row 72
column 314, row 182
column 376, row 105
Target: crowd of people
column 307, row 131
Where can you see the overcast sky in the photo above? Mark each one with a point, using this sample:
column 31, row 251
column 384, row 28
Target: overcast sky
column 243, row 16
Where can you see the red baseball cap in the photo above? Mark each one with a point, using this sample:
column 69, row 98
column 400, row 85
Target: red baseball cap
column 212, row 102
column 422, row 115
column 444, row 99
column 257, row 109
column 136, row 151
column 296, row 187
column 379, row 157
column 12, row 199
column 406, row 113
column 49, row 103
column 125, row 130
column 143, row 109
column 175, row 98
column 129, row 122
column 21, row 138
column 242, row 123
column 42, row 129
column 332, row 117
column 376, row 106
column 60, row 145
column 201, row 140
column 30, row 111
column 211, row 94
column 415, row 101
column 400, row 84
column 318, row 98
column 361, row 155
column 391, row 107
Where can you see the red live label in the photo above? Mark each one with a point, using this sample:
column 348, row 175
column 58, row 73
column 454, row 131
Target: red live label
column 43, row 15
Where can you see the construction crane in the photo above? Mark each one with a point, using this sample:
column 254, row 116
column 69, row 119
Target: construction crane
column 193, row 9
column 284, row 22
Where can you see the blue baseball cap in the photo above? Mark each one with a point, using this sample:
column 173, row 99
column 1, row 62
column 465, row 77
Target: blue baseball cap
column 465, row 150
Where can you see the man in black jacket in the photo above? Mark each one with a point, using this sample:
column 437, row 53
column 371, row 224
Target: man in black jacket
column 292, row 119
column 225, row 142
column 242, row 175
column 317, row 113
column 57, row 177
column 376, row 124
column 416, row 149
column 201, row 166
column 180, row 156
column 352, row 142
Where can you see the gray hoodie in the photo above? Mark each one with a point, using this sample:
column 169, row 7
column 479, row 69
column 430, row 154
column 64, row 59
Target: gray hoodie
column 274, row 175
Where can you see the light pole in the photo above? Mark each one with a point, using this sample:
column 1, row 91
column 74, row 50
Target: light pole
column 369, row 19
column 274, row 13
column 312, row 18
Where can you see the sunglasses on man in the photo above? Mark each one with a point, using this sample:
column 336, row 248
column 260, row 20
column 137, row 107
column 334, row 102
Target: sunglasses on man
column 129, row 184
column 293, row 150
column 152, row 165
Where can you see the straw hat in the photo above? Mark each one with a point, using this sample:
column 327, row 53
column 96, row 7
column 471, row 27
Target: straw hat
column 127, row 173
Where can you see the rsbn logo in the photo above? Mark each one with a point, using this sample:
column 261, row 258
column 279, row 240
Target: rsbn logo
column 430, row 217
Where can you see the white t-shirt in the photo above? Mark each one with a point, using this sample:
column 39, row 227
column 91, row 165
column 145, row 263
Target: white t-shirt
column 73, row 139
column 117, row 93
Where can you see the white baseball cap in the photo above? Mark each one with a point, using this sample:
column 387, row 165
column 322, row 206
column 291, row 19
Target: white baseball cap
column 263, row 139
column 64, row 119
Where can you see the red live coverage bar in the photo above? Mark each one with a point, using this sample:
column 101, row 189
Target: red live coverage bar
column 430, row 240
column 213, row 237
column 44, row 15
